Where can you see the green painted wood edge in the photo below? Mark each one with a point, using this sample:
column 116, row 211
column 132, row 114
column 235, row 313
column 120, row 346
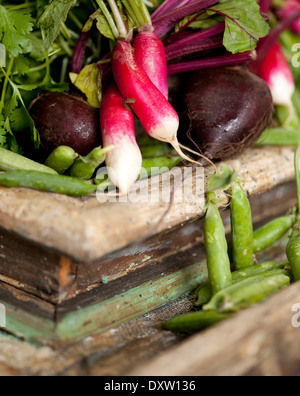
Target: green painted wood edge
column 28, row 326
column 130, row 305
column 103, row 316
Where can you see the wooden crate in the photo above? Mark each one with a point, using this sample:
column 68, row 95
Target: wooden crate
column 72, row 267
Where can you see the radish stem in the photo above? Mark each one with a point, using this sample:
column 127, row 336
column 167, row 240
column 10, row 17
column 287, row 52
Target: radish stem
column 177, row 14
column 141, row 12
column 109, row 18
column 118, row 18
column 130, row 11
column 79, row 51
column 265, row 6
column 200, row 45
column 167, row 6
column 203, row 34
column 227, row 60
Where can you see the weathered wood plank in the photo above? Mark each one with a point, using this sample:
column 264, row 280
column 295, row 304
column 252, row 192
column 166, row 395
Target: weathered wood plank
column 45, row 274
column 110, row 353
column 258, row 341
column 94, row 319
column 127, row 276
column 19, row 261
column 87, row 230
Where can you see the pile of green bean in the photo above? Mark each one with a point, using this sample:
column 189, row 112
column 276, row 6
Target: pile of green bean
column 227, row 292
column 64, row 172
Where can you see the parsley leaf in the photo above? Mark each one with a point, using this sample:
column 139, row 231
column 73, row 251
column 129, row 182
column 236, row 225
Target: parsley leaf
column 245, row 24
column 14, row 30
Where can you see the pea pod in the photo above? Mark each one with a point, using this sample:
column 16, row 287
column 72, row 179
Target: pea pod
column 216, row 248
column 293, row 247
column 247, row 293
column 272, row 232
column 279, row 137
column 85, row 167
column 46, row 182
column 11, row 161
column 241, row 228
column 194, row 321
column 156, row 150
column 61, row 159
column 204, row 292
column 158, row 165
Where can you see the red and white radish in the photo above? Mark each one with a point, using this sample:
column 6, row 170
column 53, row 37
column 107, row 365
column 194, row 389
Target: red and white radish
column 124, row 161
column 275, row 71
column 150, row 55
column 156, row 114
column 290, row 6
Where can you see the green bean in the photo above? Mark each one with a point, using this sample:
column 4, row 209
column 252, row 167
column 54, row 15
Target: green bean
column 216, row 248
column 61, row 159
column 46, row 182
column 11, row 161
column 85, row 167
column 293, row 247
column 194, row 321
column 204, row 291
column 279, row 137
column 241, row 228
column 272, row 232
column 247, row 293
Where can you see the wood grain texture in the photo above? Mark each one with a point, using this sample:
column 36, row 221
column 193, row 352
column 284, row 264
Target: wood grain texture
column 86, row 230
column 113, row 352
column 60, row 280
column 258, row 341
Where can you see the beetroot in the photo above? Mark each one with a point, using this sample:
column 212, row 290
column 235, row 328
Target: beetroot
column 66, row 120
column 228, row 109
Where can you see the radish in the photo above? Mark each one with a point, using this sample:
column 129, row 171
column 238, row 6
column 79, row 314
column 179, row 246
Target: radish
column 290, row 6
column 150, row 55
column 124, row 162
column 156, row 114
column 276, row 72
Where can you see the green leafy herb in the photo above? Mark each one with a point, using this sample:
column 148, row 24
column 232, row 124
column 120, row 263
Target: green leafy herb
column 245, row 24
column 14, row 29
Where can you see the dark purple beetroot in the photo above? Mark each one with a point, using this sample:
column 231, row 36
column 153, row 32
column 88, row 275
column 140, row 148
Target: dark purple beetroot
column 66, row 120
column 228, row 110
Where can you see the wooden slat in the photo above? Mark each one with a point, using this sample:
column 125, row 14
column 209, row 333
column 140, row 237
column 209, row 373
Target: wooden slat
column 62, row 281
column 258, row 341
column 87, row 230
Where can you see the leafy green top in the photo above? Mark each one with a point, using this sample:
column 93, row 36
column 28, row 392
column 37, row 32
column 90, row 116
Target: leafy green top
column 244, row 22
column 14, row 30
